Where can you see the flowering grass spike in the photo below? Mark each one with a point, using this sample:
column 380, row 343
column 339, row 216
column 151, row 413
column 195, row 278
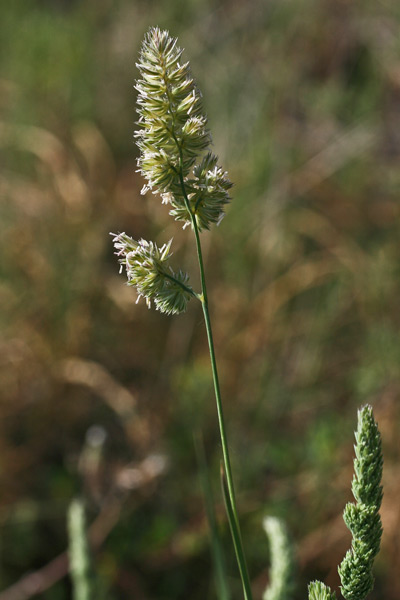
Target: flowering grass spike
column 362, row 517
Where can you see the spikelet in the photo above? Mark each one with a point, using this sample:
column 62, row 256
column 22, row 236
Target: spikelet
column 148, row 270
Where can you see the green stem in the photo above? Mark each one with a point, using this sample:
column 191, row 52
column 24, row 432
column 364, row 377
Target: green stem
column 235, row 526
column 231, row 506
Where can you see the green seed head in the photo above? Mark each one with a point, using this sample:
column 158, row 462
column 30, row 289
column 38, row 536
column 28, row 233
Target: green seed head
column 362, row 517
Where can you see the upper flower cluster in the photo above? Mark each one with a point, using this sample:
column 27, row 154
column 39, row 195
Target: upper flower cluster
column 173, row 134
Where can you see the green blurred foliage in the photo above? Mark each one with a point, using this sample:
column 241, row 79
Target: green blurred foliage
column 302, row 99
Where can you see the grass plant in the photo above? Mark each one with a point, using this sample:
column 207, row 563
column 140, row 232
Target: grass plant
column 173, row 134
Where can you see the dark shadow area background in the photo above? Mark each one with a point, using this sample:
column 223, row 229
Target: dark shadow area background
column 101, row 396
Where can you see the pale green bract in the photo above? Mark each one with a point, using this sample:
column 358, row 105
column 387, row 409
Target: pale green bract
column 320, row 591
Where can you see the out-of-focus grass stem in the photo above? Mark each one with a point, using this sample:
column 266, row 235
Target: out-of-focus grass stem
column 216, row 546
column 79, row 553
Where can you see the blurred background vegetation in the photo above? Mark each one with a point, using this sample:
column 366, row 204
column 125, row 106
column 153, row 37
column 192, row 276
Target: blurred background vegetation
column 101, row 397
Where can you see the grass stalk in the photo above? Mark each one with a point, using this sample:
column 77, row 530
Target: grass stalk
column 230, row 500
